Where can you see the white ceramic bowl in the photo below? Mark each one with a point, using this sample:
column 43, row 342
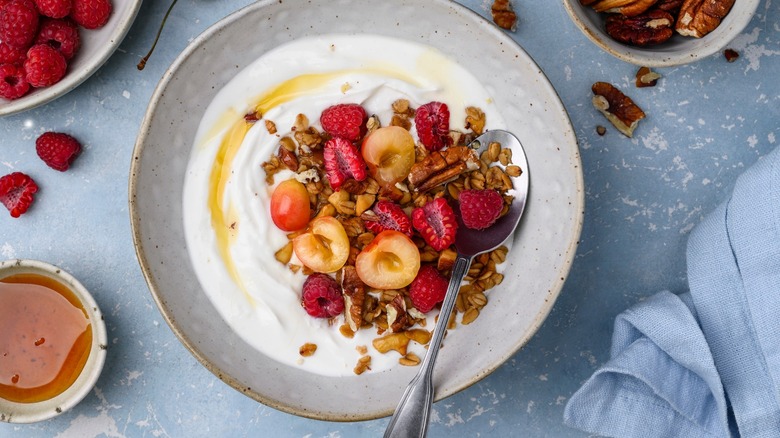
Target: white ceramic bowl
column 678, row 50
column 544, row 245
column 96, row 47
column 13, row 412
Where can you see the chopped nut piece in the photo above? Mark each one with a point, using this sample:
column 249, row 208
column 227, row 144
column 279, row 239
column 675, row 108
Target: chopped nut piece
column 700, row 17
column 440, row 167
column 285, row 253
column 307, row 349
column 397, row 318
column 288, row 158
column 446, row 259
column 363, row 365
column 253, row 116
column 409, row 360
column 618, row 108
column 363, row 203
column 646, row 77
column 354, row 297
column 362, row 350
column 503, row 15
column 475, row 120
column 372, row 124
column 731, row 55
column 270, row 127
column 601, row 130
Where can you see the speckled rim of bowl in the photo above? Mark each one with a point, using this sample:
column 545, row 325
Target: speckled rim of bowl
column 551, row 294
column 13, row 412
column 664, row 55
column 75, row 77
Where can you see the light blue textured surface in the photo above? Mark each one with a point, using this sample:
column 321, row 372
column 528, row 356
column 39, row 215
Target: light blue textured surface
column 706, row 123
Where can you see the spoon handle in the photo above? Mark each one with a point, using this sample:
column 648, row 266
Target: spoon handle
column 411, row 415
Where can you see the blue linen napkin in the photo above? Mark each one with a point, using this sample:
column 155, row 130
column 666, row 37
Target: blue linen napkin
column 704, row 363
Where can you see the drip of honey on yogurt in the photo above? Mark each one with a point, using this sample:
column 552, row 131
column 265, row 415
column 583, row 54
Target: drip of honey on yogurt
column 45, row 338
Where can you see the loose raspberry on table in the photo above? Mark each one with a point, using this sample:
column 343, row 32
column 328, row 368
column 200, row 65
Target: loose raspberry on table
column 57, row 150
column 13, row 84
column 428, row 289
column 44, row 65
column 19, row 23
column 54, row 8
column 432, row 122
column 322, row 296
column 346, row 120
column 388, row 216
column 16, row 192
column 342, row 161
column 91, row 14
column 61, row 35
column 436, row 223
column 479, row 209
column 12, row 55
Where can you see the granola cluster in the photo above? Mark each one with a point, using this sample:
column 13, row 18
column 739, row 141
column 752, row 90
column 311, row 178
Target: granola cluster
column 434, row 174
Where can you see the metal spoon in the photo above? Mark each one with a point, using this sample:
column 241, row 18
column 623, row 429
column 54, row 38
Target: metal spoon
column 412, row 414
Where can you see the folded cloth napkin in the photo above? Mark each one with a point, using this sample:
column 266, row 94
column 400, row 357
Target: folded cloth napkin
column 704, row 363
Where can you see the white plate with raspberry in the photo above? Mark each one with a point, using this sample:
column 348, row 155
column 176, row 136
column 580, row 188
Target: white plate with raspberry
column 49, row 47
column 215, row 298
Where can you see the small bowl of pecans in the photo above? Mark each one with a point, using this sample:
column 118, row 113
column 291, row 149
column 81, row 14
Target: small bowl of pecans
column 661, row 33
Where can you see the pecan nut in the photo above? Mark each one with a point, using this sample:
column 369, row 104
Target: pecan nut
column 617, row 107
column 440, row 167
column 670, row 6
column 700, row 17
column 650, row 28
column 354, row 297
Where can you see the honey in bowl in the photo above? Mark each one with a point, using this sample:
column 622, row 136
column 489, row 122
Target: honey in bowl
column 45, row 338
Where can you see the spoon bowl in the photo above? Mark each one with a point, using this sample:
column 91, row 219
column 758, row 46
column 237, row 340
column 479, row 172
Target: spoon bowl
column 412, row 414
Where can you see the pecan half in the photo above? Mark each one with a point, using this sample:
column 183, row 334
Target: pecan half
column 700, row 17
column 354, row 297
column 653, row 27
column 440, row 167
column 617, row 107
column 629, row 8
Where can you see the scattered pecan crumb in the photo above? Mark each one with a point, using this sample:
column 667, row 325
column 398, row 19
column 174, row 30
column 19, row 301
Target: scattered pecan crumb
column 601, row 130
column 646, row 77
column 253, row 116
column 307, row 349
column 270, row 126
column 731, row 55
column 503, row 14
column 363, row 365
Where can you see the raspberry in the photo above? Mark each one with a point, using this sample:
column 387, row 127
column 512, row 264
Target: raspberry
column 322, row 296
column 18, row 23
column 435, row 221
column 428, row 289
column 16, row 192
column 57, row 150
column 432, row 122
column 12, row 55
column 54, row 8
column 388, row 216
column 342, row 161
column 62, row 35
column 13, row 85
column 345, row 120
column 44, row 66
column 479, row 209
column 91, row 14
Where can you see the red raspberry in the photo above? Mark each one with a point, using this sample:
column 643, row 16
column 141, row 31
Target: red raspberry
column 62, row 35
column 435, row 221
column 479, row 209
column 16, row 192
column 345, row 120
column 322, row 296
column 432, row 122
column 44, row 65
column 54, row 8
column 19, row 23
column 57, row 150
column 428, row 289
column 13, row 85
column 342, row 161
column 388, row 216
column 91, row 14
column 12, row 55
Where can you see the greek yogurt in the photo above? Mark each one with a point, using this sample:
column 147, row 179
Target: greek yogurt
column 230, row 236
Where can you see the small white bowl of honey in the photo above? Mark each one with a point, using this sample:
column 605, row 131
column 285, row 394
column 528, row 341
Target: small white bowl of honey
column 52, row 341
